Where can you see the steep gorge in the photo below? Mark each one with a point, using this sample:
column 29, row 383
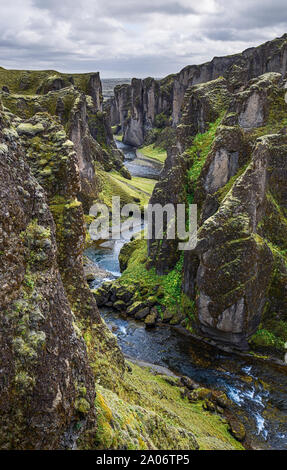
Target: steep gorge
column 228, row 158
column 138, row 106
column 64, row 380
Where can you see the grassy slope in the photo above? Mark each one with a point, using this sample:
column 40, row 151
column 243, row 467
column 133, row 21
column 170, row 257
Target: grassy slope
column 136, row 190
column 154, row 152
column 148, row 412
column 143, row 184
column 34, row 78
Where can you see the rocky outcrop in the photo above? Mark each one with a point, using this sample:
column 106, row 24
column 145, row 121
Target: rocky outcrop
column 203, row 104
column 30, row 82
column 234, row 171
column 47, row 384
column 239, row 262
column 47, row 388
column 77, row 101
column 137, row 105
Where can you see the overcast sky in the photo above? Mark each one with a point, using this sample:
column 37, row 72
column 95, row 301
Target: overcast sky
column 124, row 38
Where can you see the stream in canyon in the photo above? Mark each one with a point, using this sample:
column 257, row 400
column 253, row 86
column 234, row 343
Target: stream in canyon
column 257, row 389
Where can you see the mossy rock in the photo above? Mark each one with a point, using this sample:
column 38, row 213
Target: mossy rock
column 237, row 429
column 30, row 130
column 150, row 320
column 135, row 307
column 142, row 314
column 120, row 305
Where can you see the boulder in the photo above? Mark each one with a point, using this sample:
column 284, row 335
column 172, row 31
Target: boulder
column 90, row 277
column 221, row 399
column 200, row 394
column 189, row 383
column 120, row 305
column 135, row 307
column 150, row 320
column 167, row 316
column 30, row 130
column 101, row 296
column 143, row 313
column 237, row 429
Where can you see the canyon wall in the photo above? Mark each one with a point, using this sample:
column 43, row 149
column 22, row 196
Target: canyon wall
column 230, row 160
column 47, row 387
column 53, row 137
column 136, row 106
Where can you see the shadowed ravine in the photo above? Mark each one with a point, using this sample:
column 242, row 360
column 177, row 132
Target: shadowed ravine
column 256, row 389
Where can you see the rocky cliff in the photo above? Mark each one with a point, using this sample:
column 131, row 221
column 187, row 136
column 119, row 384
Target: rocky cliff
column 47, row 308
column 230, row 161
column 64, row 383
column 76, row 100
column 138, row 105
column 47, row 388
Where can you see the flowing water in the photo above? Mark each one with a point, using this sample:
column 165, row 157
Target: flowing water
column 257, row 389
column 138, row 164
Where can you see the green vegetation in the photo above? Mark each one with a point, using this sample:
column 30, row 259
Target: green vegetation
column 277, row 114
column 147, row 411
column 96, row 123
column 143, row 184
column 154, row 152
column 198, row 152
column 222, row 192
column 264, row 338
column 29, row 82
column 113, row 184
column 166, row 290
column 162, row 120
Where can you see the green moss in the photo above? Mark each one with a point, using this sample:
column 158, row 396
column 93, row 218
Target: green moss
column 198, row 153
column 82, row 405
column 222, row 192
column 276, row 114
column 154, row 152
column 166, row 289
column 3, row 149
column 162, row 120
column 29, row 82
column 119, row 137
column 264, row 338
column 24, row 382
column 97, row 126
column 26, row 315
column 147, row 412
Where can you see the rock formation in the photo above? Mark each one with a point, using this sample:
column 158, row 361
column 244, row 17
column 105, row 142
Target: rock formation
column 136, row 106
column 47, row 388
column 47, row 384
column 64, row 382
column 234, row 170
column 77, row 101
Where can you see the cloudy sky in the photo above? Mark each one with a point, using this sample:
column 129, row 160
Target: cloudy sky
column 123, row 38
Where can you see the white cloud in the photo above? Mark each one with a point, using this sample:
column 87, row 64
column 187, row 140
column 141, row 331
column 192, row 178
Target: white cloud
column 132, row 38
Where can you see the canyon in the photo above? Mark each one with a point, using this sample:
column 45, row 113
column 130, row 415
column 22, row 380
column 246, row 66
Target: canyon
column 66, row 380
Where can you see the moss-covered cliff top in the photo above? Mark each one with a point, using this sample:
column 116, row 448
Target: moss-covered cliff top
column 31, row 82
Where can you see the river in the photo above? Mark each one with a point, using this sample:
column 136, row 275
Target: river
column 257, row 389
